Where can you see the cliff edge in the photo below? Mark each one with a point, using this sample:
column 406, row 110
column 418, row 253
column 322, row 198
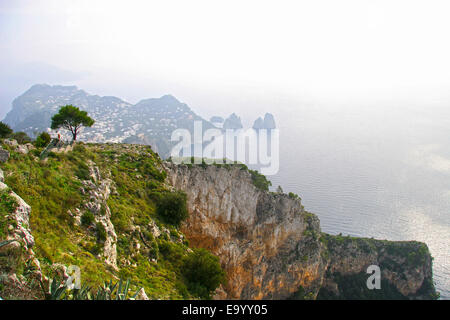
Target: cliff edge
column 271, row 248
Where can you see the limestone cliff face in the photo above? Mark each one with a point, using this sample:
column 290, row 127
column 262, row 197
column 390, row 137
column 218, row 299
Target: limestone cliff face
column 271, row 248
column 263, row 240
column 406, row 267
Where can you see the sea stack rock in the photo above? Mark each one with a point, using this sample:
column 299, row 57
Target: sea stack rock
column 258, row 124
column 269, row 121
column 232, row 122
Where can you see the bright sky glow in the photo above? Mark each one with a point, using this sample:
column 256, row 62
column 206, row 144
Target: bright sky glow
column 324, row 48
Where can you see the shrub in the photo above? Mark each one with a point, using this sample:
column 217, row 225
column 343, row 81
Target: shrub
column 87, row 218
column 20, row 137
column 171, row 207
column 293, row 195
column 5, row 130
column 82, row 171
column 203, row 273
column 172, row 253
column 42, row 140
column 260, row 181
column 101, row 232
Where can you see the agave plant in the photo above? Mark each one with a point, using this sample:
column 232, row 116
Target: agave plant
column 55, row 290
column 109, row 291
column 84, row 293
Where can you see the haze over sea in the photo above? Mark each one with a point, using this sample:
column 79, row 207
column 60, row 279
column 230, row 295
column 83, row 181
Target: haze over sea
column 379, row 172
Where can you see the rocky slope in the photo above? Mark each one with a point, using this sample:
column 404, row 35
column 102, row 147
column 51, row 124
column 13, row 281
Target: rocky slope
column 272, row 248
column 92, row 206
column 20, row 271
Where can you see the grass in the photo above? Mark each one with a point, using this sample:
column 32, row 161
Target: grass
column 53, row 186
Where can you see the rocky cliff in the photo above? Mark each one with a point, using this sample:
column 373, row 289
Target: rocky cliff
column 103, row 207
column 272, row 248
column 20, row 271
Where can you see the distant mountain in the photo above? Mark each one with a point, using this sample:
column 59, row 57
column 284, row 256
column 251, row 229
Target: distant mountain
column 150, row 121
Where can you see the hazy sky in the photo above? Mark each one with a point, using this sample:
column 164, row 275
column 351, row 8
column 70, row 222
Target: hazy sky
column 224, row 56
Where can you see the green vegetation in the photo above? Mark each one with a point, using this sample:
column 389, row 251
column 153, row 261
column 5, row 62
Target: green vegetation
column 20, row 137
column 171, row 206
column 42, row 140
column 58, row 290
column 87, row 218
column 203, row 273
column 71, row 118
column 101, row 232
column 293, row 196
column 5, row 130
column 52, row 187
column 260, row 181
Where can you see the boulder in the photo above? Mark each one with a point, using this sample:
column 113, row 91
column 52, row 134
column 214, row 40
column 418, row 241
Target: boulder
column 22, row 149
column 11, row 142
column 4, row 155
column 30, row 146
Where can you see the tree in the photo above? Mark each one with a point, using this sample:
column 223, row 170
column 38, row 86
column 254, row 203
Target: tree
column 5, row 130
column 71, row 118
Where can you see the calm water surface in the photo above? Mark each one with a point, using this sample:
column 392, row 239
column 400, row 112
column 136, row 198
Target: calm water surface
column 382, row 173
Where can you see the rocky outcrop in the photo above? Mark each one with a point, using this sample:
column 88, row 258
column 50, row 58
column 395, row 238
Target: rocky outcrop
column 20, row 148
column 99, row 190
column 406, row 268
column 16, row 254
column 271, row 248
column 265, row 241
column 4, row 155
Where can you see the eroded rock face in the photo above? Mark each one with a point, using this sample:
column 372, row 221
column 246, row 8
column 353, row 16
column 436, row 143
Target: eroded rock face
column 99, row 189
column 21, row 218
column 263, row 240
column 19, row 252
column 272, row 249
column 4, row 155
column 406, row 266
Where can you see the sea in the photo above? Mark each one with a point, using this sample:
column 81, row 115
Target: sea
column 369, row 171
